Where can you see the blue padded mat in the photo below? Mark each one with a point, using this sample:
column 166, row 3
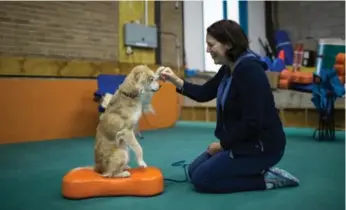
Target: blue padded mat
column 108, row 83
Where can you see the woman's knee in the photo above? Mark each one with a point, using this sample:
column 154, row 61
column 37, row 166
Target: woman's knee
column 190, row 171
column 199, row 183
column 205, row 184
column 196, row 163
column 192, row 168
column 201, row 180
column 206, row 176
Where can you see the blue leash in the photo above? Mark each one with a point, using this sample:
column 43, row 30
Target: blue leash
column 184, row 165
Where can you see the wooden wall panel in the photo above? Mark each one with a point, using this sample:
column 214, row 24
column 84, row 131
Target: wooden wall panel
column 290, row 117
column 74, row 30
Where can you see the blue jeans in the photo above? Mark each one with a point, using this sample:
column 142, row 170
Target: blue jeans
column 222, row 174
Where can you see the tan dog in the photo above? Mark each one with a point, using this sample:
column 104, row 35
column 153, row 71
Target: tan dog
column 115, row 131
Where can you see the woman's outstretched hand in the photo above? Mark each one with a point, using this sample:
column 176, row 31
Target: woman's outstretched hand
column 167, row 74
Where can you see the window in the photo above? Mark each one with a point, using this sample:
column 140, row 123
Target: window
column 233, row 10
column 214, row 11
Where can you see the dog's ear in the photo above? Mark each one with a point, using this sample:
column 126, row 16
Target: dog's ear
column 136, row 76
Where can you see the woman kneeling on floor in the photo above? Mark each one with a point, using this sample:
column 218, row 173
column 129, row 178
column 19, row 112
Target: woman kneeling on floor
column 251, row 139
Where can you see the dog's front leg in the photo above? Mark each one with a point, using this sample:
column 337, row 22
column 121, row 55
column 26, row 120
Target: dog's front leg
column 137, row 149
column 149, row 109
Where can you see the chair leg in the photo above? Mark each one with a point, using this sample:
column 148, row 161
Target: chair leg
column 326, row 127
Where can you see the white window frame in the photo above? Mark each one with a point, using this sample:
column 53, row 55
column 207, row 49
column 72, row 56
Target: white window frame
column 213, row 11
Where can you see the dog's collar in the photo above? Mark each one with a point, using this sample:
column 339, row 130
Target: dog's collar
column 130, row 95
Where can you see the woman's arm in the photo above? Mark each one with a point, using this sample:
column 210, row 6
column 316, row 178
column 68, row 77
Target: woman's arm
column 201, row 93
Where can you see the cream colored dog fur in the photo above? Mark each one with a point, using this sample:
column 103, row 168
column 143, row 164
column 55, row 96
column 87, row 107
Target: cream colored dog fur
column 115, row 131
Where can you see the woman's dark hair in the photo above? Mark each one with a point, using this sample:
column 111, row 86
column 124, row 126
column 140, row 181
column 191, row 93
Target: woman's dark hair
column 230, row 32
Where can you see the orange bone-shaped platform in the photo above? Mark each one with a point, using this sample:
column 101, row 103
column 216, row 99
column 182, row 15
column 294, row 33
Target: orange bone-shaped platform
column 82, row 183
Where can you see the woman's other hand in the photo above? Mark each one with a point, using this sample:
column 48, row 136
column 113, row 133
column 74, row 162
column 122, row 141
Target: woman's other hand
column 214, row 148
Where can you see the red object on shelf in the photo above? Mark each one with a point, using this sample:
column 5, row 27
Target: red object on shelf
column 298, row 57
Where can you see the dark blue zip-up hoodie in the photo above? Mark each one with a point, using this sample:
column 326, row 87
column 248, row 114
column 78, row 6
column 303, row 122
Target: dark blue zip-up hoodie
column 248, row 123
